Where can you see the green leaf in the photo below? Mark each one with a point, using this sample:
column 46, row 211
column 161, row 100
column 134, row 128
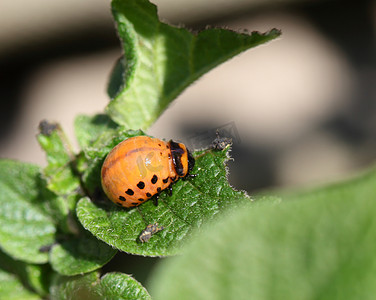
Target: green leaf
column 12, row 289
column 76, row 287
column 32, row 277
column 60, row 175
column 53, row 140
column 319, row 244
column 161, row 60
column 80, row 255
column 122, row 286
column 89, row 128
column 38, row 278
column 24, row 225
column 111, row 286
column 59, row 172
column 116, row 82
column 193, row 202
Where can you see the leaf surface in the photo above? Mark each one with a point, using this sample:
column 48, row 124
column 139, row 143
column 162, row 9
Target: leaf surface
column 90, row 286
column 317, row 244
column 161, row 60
column 11, row 288
column 80, row 255
column 89, row 128
column 193, row 202
column 60, row 177
column 30, row 277
column 24, row 225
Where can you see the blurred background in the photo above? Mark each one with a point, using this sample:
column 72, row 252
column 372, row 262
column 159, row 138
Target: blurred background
column 302, row 107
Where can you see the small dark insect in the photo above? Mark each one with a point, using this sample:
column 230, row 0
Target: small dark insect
column 149, row 231
column 220, row 143
column 46, row 128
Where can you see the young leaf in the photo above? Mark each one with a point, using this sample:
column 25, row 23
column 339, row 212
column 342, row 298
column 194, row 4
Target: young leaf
column 24, row 225
column 122, row 286
column 38, row 278
column 116, row 81
column 111, row 286
column 161, row 60
column 59, row 175
column 59, row 172
column 314, row 245
column 12, row 288
column 89, row 128
column 33, row 277
column 193, row 202
column 80, row 255
column 76, row 287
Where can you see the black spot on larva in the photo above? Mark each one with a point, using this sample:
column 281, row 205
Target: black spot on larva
column 119, row 204
column 154, row 179
column 159, row 190
column 148, row 195
column 141, row 185
column 129, row 192
column 159, row 145
column 165, row 180
column 141, row 199
column 160, row 153
column 121, row 198
column 134, row 203
column 168, row 147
